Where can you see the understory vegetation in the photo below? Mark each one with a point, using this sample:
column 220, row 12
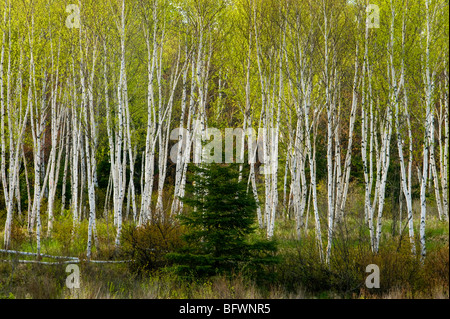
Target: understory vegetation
column 298, row 274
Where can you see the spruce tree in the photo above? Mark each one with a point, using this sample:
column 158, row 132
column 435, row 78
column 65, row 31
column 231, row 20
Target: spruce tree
column 219, row 223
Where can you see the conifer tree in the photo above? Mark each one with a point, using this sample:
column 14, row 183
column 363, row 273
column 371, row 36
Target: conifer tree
column 219, row 225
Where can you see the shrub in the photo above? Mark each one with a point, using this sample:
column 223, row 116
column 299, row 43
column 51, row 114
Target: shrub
column 148, row 245
column 345, row 275
column 63, row 231
column 437, row 268
column 19, row 235
column 301, row 268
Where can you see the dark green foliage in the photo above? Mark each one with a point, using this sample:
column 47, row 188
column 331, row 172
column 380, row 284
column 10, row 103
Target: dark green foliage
column 219, row 225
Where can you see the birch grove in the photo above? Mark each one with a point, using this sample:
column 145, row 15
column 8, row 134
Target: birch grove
column 101, row 121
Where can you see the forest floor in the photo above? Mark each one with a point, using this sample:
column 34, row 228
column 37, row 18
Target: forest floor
column 300, row 274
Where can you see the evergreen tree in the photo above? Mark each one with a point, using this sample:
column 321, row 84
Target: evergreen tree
column 219, row 226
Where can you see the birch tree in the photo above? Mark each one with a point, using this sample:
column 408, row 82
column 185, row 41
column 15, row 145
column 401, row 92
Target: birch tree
column 16, row 127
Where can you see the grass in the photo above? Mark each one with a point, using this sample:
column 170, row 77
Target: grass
column 300, row 273
column 114, row 281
